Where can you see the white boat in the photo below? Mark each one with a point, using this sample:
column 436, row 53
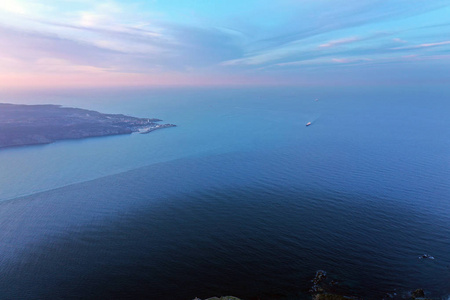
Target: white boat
column 309, row 123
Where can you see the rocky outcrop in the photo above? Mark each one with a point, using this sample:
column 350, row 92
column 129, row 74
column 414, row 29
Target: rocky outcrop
column 221, row 298
column 419, row 293
column 330, row 297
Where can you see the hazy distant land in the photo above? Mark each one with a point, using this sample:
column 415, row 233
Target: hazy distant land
column 22, row 125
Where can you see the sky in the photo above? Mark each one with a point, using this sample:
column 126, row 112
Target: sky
column 78, row 43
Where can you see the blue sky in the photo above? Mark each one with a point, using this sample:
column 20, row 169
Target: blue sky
column 209, row 42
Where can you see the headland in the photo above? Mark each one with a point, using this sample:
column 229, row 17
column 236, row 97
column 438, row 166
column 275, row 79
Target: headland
column 22, row 125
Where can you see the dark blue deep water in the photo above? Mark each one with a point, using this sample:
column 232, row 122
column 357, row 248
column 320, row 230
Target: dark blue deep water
column 240, row 199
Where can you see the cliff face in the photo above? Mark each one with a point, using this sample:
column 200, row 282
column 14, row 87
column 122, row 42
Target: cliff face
column 42, row 124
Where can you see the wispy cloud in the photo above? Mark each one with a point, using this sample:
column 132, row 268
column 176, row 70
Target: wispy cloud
column 350, row 60
column 399, row 40
column 104, row 38
column 425, row 45
column 335, row 43
column 154, row 38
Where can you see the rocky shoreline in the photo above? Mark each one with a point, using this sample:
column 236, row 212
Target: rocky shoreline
column 324, row 289
column 22, row 125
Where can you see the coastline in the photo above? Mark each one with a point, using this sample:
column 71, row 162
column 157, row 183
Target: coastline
column 26, row 125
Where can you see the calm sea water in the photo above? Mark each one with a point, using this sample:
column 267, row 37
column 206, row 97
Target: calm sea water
column 241, row 198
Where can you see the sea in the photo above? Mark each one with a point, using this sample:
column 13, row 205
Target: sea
column 241, row 198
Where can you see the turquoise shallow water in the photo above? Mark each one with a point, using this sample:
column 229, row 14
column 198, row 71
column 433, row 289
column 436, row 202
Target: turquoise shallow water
column 241, row 198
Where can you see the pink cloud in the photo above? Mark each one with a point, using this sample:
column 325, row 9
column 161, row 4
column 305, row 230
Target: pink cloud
column 434, row 44
column 334, row 43
column 423, row 45
column 349, row 60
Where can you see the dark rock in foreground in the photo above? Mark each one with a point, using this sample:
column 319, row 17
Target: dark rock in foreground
column 221, row 298
column 419, row 293
column 331, row 297
column 43, row 124
column 324, row 289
